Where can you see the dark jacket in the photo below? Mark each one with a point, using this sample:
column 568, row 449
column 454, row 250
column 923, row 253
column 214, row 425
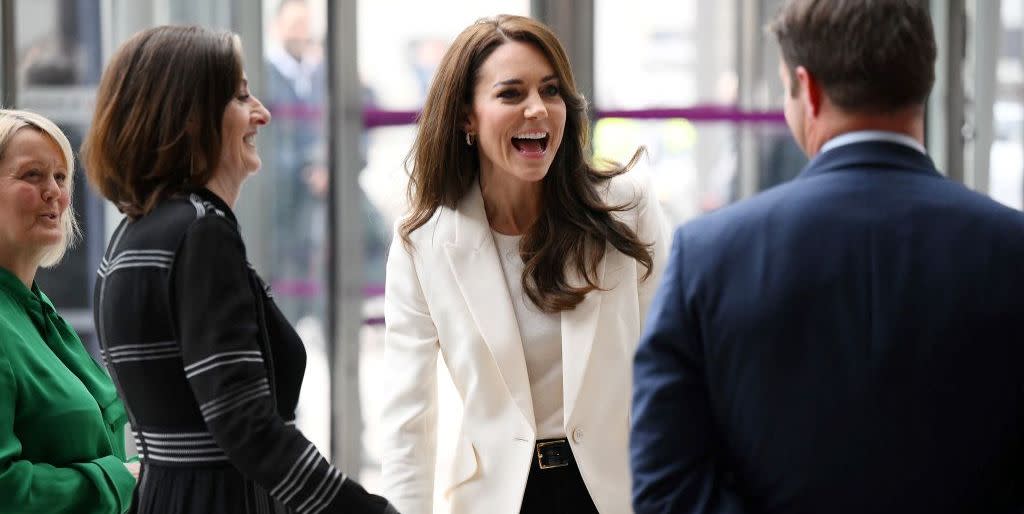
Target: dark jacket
column 209, row 370
column 848, row 342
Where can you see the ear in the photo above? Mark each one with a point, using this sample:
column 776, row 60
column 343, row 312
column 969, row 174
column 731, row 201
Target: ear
column 469, row 123
column 811, row 93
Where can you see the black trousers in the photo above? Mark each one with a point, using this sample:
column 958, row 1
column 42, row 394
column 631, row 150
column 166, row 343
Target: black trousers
column 557, row 490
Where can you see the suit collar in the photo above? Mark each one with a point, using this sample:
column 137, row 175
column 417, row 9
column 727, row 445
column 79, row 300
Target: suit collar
column 870, row 155
column 861, row 136
column 472, row 231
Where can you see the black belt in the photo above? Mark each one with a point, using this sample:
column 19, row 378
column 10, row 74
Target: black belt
column 554, row 453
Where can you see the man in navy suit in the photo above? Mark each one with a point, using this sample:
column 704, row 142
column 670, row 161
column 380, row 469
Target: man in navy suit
column 851, row 341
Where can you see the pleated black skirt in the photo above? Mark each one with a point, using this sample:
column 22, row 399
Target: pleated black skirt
column 201, row 490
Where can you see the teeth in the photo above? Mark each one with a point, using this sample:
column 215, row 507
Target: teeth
column 249, row 139
column 532, row 135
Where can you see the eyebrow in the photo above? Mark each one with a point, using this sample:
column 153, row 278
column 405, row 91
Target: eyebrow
column 57, row 166
column 516, row 82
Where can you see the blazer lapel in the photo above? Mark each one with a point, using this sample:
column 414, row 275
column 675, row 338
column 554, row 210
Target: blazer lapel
column 477, row 269
column 579, row 328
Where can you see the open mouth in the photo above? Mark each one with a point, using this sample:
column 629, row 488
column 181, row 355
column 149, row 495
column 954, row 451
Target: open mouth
column 531, row 143
column 250, row 139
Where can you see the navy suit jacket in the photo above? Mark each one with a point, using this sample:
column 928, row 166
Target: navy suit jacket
column 847, row 342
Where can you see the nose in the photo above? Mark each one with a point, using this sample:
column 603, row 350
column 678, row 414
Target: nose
column 260, row 114
column 535, row 108
column 51, row 189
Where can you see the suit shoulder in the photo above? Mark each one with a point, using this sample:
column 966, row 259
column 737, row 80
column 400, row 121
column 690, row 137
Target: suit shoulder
column 743, row 212
column 984, row 204
column 429, row 234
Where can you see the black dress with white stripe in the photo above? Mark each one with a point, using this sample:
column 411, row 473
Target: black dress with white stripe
column 210, row 371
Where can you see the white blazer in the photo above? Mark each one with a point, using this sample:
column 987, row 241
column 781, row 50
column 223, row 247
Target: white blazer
column 449, row 296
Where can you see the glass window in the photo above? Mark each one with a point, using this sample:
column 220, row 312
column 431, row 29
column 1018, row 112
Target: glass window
column 401, row 42
column 284, row 207
column 671, row 55
column 1006, row 164
column 58, row 63
column 664, row 53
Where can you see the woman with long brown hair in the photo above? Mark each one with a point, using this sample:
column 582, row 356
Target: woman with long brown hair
column 529, row 269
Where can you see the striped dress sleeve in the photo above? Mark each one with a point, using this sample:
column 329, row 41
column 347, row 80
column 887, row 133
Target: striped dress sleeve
column 217, row 325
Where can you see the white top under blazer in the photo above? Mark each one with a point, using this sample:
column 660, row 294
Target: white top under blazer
column 541, row 333
column 448, row 296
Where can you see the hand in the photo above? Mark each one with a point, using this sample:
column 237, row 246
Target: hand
column 133, row 468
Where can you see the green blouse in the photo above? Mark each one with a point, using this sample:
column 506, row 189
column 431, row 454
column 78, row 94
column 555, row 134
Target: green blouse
column 61, row 422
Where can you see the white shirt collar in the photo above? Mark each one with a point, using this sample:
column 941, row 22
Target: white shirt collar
column 861, row 136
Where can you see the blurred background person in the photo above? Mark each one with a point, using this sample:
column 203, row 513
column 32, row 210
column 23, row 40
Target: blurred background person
column 62, row 426
column 296, row 96
column 209, row 367
column 529, row 269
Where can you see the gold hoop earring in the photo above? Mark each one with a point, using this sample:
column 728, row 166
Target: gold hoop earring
column 469, row 139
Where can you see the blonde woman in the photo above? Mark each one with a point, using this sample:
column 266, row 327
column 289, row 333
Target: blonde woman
column 61, row 422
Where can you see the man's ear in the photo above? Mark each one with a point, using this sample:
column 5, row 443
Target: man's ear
column 811, row 93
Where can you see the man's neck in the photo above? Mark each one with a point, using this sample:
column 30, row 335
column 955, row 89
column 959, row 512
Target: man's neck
column 837, row 123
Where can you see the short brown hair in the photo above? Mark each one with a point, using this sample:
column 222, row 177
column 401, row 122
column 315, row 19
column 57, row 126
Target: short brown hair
column 576, row 224
column 156, row 129
column 869, row 55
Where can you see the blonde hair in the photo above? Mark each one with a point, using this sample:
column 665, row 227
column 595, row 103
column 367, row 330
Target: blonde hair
column 11, row 121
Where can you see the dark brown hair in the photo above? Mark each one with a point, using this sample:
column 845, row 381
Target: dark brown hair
column 156, row 129
column 870, row 56
column 575, row 223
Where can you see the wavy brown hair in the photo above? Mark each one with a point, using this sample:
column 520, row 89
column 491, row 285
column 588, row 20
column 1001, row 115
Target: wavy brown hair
column 575, row 223
column 156, row 130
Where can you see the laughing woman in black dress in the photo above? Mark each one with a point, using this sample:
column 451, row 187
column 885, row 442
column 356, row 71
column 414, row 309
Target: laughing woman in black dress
column 208, row 367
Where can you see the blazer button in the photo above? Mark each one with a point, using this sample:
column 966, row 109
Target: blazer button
column 577, row 435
